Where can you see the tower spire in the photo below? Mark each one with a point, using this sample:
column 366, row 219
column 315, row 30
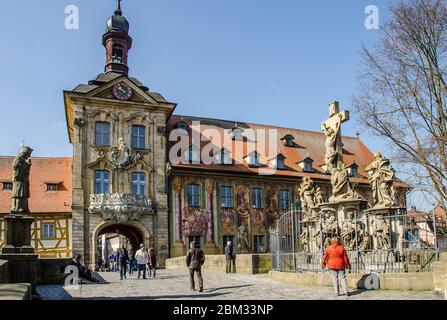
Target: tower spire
column 118, row 11
column 117, row 42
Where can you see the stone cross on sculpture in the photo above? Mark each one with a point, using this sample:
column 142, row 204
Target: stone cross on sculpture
column 332, row 130
column 20, row 189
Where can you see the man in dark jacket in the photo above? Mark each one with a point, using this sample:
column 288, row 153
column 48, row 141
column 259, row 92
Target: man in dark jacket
column 195, row 259
column 123, row 259
column 83, row 272
column 230, row 256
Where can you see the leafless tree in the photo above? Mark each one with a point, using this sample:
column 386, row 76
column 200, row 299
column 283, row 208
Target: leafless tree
column 402, row 95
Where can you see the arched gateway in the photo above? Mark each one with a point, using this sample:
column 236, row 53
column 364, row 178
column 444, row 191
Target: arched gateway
column 134, row 231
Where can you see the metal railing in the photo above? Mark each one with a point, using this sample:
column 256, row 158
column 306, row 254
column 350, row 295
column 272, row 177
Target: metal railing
column 393, row 242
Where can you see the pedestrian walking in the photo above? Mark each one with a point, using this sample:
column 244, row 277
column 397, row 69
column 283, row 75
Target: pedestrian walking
column 152, row 262
column 131, row 255
column 195, row 259
column 337, row 261
column 123, row 260
column 230, row 256
column 142, row 257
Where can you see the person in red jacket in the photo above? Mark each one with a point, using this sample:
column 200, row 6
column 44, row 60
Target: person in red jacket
column 336, row 259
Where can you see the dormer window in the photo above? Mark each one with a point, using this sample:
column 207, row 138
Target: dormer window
column 253, row 159
column 278, row 162
column 7, row 185
column 51, row 187
column 353, row 170
column 280, row 165
column 182, row 128
column 307, row 164
column 289, row 140
column 193, row 155
column 225, row 157
column 117, row 53
column 237, row 133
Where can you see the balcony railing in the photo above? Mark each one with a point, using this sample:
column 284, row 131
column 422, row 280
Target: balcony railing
column 120, row 206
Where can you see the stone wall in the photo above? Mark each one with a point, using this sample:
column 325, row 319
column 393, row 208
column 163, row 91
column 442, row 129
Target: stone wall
column 440, row 276
column 245, row 263
column 51, row 270
column 387, row 281
column 4, row 273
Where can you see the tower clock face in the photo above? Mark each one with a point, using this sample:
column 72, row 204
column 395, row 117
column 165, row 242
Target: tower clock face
column 122, row 91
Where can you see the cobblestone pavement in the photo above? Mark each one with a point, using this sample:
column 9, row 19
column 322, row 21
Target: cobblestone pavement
column 174, row 284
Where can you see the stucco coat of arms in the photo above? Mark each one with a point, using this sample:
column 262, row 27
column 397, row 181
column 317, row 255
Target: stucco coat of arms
column 123, row 156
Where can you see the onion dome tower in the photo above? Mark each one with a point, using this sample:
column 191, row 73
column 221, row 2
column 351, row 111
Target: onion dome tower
column 117, row 42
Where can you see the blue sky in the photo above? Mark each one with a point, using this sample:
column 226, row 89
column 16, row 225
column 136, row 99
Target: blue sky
column 263, row 61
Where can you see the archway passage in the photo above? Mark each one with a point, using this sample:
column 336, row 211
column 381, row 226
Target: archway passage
column 111, row 237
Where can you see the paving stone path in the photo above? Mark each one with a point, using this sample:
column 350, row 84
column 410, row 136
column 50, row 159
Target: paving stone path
column 174, row 284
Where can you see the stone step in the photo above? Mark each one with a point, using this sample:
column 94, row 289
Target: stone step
column 15, row 291
column 443, row 257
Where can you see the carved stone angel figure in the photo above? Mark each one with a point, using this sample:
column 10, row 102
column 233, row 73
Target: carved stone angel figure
column 20, row 188
column 381, row 177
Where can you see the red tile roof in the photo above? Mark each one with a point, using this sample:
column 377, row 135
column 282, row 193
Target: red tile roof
column 307, row 144
column 43, row 171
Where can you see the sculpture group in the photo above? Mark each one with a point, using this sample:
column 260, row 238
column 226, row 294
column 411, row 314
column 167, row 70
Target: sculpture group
column 335, row 211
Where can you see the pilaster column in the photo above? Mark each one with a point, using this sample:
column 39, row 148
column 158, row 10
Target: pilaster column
column 210, row 209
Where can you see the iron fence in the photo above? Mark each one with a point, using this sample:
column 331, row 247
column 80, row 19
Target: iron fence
column 392, row 242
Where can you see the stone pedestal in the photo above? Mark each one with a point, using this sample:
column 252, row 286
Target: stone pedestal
column 211, row 248
column 178, row 249
column 22, row 262
column 18, row 238
column 394, row 218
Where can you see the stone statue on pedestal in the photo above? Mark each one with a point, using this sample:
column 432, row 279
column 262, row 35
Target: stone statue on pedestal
column 307, row 193
column 381, row 177
column 20, row 189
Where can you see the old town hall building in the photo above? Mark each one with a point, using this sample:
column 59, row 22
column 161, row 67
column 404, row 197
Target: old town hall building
column 122, row 180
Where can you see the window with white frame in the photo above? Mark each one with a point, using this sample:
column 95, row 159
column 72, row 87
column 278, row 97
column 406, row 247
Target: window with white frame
column 48, row 231
column 226, row 195
column 193, row 191
column 102, row 133
column 102, row 181
column 138, row 137
column 284, row 199
column 139, row 183
column 257, row 198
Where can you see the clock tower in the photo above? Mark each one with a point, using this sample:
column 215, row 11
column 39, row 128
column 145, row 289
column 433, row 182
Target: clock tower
column 117, row 127
column 117, row 42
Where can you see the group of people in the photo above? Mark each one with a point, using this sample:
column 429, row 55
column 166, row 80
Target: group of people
column 144, row 259
column 335, row 259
